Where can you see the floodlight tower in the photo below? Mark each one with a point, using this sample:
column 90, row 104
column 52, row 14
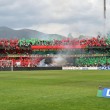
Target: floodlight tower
column 104, row 17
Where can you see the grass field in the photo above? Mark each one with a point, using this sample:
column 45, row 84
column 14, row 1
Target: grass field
column 53, row 90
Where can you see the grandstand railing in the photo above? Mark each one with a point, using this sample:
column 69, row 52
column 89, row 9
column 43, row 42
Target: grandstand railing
column 75, row 55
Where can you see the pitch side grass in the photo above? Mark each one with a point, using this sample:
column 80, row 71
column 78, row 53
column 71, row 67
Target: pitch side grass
column 53, row 90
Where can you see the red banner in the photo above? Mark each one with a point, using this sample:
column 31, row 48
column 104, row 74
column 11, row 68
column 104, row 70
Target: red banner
column 58, row 47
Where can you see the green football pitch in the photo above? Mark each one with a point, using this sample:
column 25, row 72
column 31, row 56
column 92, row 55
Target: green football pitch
column 53, row 90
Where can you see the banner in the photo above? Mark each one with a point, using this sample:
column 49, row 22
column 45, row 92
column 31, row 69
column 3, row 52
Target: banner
column 103, row 92
column 104, row 68
column 54, row 47
column 79, row 68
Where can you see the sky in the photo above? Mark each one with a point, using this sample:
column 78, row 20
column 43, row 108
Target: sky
column 78, row 17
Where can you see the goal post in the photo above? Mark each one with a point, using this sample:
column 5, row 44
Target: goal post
column 6, row 65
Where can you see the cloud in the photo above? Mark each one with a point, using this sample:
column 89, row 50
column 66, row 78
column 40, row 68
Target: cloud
column 52, row 28
column 55, row 16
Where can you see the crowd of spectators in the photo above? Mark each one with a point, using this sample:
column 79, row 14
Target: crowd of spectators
column 93, row 42
column 19, row 61
column 87, row 42
column 9, row 43
column 94, row 45
column 92, row 61
column 29, row 42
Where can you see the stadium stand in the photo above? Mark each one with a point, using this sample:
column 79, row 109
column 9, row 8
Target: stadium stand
column 92, row 51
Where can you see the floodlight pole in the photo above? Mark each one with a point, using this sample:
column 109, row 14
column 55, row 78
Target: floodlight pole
column 104, row 18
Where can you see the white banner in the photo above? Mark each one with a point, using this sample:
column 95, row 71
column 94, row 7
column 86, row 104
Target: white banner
column 79, row 68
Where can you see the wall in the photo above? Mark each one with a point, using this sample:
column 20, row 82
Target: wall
column 29, row 68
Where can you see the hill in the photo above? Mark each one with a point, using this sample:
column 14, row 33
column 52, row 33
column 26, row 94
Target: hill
column 6, row 32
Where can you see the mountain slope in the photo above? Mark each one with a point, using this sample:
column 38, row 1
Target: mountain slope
column 6, row 32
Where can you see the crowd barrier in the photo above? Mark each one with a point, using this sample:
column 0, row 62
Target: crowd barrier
column 104, row 68
column 53, row 68
column 29, row 68
column 79, row 68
